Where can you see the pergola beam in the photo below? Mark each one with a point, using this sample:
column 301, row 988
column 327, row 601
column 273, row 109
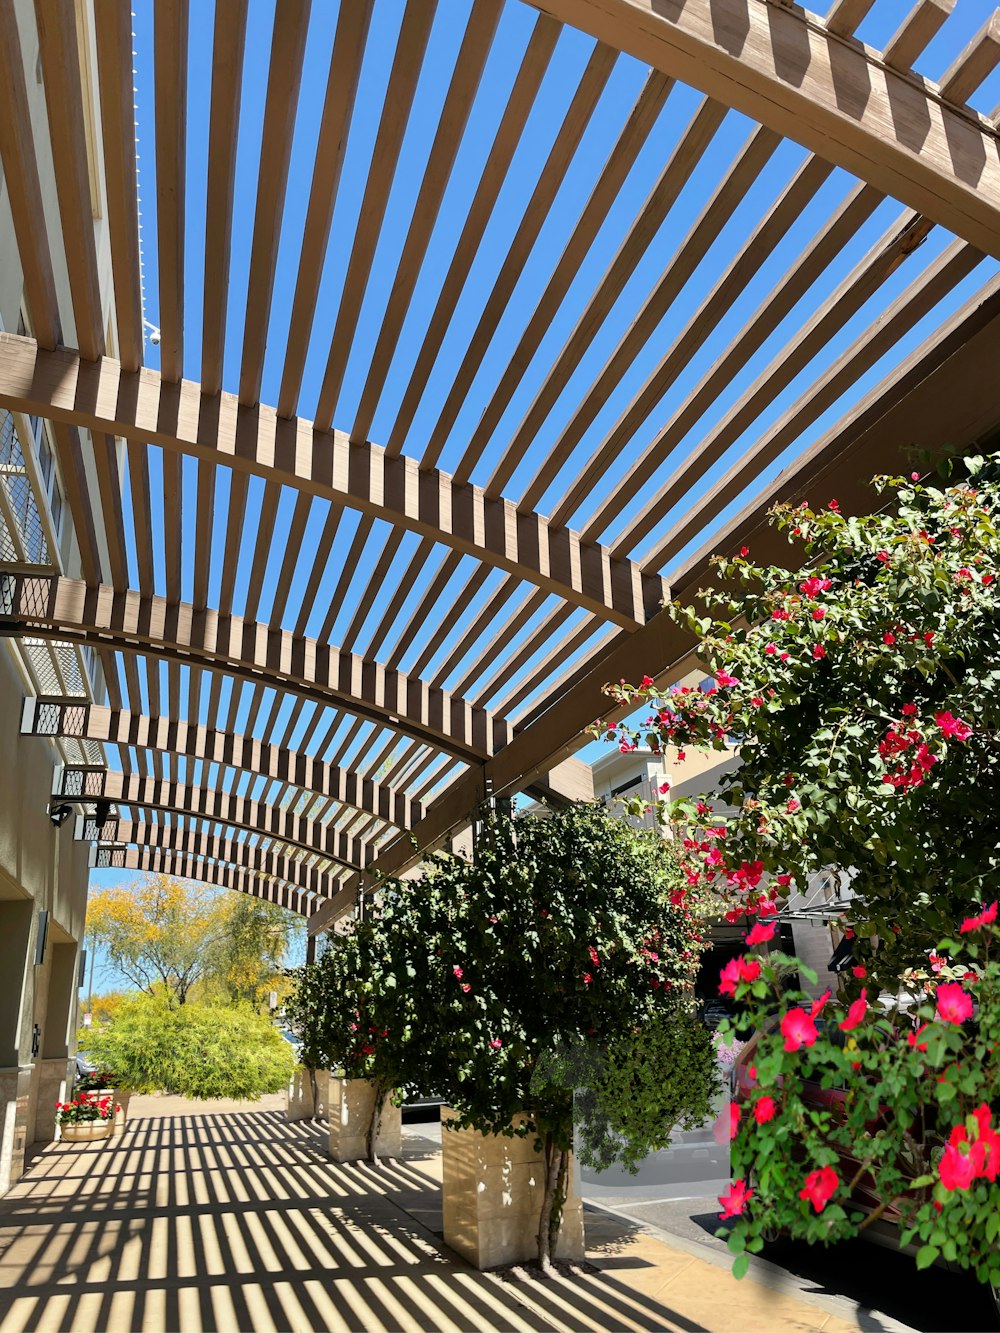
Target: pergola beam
column 782, row 67
column 133, row 621
column 154, row 861
column 263, row 863
column 942, row 392
column 310, row 775
column 296, row 832
column 139, row 406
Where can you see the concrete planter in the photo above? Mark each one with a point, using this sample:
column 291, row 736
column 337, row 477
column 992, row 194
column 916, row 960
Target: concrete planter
column 300, row 1104
column 492, row 1193
column 86, row 1131
column 352, row 1104
column 121, row 1098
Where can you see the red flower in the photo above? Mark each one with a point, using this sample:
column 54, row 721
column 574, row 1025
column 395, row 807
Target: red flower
column 734, row 1120
column 771, row 649
column 953, row 726
column 883, row 556
column 735, row 1199
column 820, row 1187
column 792, row 806
column 859, row 971
column 724, row 681
column 495, row 1043
column 593, row 955
column 957, row 1171
column 985, row 918
column 818, row 650
column 735, row 971
column 889, row 639
column 954, row 1005
column 818, row 614
column 761, row 934
column 812, row 587
column 799, row 1028
column 587, row 978
column 744, row 550
column 664, row 788
column 834, row 505
column 856, row 1013
column 908, row 710
column 457, row 971
column 764, row 1110
column 647, row 682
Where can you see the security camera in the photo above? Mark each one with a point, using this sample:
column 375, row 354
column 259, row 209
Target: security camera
column 154, row 337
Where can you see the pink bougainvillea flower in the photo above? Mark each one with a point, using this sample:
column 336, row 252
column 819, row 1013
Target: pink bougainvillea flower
column 957, row 1171
column 954, row 1005
column 458, row 972
column 734, row 1120
column 735, row 1199
column 908, row 710
column 760, row 934
column 771, row 649
column 888, row 639
column 466, row 987
column 647, row 682
column 724, row 680
column 814, row 586
column 495, row 1043
column 763, row 1110
column 593, row 955
column 792, row 806
column 883, row 556
column 985, row 918
column 860, row 972
column 664, row 788
column 856, row 1013
column 819, row 613
column 820, row 1187
column 587, row 978
column 952, row 726
column 818, row 651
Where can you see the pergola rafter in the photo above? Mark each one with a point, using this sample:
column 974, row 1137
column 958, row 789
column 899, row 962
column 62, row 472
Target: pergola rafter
column 479, row 572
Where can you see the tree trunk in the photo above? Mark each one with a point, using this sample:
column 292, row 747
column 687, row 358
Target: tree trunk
column 550, row 1219
column 315, row 1089
column 375, row 1124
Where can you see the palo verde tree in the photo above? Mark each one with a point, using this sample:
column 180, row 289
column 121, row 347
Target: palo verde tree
column 519, row 976
column 862, row 691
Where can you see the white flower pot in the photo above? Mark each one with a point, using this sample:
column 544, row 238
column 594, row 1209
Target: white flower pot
column 85, row 1131
column 299, row 1104
column 352, row 1103
column 492, row 1189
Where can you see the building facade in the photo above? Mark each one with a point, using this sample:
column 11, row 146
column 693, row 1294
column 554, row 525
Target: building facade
column 43, row 869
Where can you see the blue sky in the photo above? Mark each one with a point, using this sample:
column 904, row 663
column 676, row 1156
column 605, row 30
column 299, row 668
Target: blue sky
column 336, row 603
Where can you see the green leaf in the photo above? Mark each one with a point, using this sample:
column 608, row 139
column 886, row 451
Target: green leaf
column 926, row 1255
column 740, row 1265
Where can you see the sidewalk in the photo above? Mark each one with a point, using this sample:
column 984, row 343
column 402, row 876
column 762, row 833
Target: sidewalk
column 206, row 1216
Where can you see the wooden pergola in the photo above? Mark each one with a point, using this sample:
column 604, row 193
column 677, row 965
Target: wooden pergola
column 480, row 609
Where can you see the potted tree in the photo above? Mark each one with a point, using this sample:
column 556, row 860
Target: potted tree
column 308, row 1089
column 342, row 1005
column 516, row 980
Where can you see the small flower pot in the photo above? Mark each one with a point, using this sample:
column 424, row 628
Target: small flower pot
column 86, row 1131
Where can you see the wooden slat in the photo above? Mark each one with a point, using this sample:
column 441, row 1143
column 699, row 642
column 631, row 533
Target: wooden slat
column 557, row 163
column 835, row 98
column 410, row 47
column 22, row 186
column 59, row 385
column 137, row 623
column 170, row 43
column 338, row 108
column 154, row 860
column 766, row 237
column 846, row 15
column 975, row 63
column 951, row 267
column 522, row 97
column 867, row 276
column 916, row 32
column 643, row 232
column 627, row 147
column 307, row 773
column 113, row 26
column 60, row 57
column 469, row 64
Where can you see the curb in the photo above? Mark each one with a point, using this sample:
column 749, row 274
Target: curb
column 763, row 1272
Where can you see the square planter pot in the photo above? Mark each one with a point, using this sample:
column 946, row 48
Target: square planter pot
column 86, row 1131
column 352, row 1103
column 121, row 1098
column 492, row 1192
column 299, row 1104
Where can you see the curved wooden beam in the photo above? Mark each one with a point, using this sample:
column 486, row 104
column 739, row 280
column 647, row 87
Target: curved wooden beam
column 218, row 807
column 784, row 68
column 114, row 726
column 67, row 608
column 266, row 863
column 153, row 861
column 139, row 406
